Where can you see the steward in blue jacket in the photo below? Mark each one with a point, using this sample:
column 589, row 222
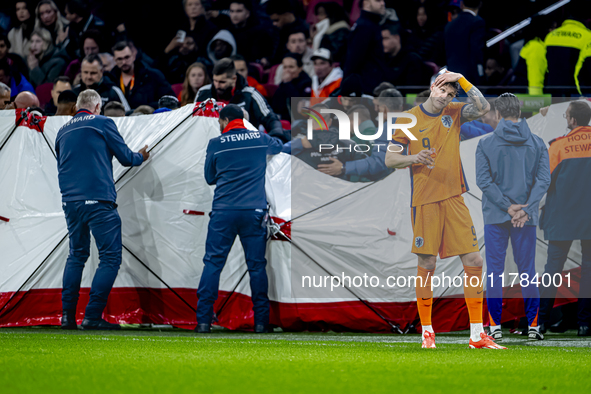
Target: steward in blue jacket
column 236, row 163
column 85, row 147
column 513, row 172
column 567, row 216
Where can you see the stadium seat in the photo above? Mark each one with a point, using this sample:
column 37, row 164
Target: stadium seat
column 270, row 88
column 177, row 88
column 433, row 67
column 271, row 74
column 256, row 71
column 43, row 93
column 355, row 12
column 286, row 125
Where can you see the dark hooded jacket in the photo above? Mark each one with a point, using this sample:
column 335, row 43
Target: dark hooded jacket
column 512, row 167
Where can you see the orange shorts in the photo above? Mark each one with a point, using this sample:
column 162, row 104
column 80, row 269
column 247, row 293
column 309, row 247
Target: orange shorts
column 443, row 227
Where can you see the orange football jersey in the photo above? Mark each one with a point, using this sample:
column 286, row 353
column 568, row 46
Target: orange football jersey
column 442, row 132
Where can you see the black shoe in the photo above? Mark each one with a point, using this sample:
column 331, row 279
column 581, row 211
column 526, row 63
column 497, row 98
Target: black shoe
column 203, row 328
column 559, row 327
column 69, row 320
column 261, row 329
column 543, row 328
column 584, row 331
column 101, row 324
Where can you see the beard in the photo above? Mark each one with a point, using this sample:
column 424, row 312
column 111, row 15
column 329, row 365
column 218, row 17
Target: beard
column 224, row 94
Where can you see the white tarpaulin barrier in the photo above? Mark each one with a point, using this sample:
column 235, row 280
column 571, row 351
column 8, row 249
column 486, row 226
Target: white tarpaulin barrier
column 339, row 227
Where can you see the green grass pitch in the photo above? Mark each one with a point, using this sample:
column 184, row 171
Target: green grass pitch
column 53, row 361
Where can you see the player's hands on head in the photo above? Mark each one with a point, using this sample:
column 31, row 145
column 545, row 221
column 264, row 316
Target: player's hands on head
column 447, row 77
column 144, row 152
column 424, row 157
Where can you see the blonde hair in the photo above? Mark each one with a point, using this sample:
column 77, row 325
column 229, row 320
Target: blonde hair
column 187, row 94
column 45, row 35
column 60, row 22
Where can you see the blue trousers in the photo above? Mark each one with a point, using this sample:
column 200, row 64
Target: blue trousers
column 103, row 220
column 523, row 241
column 557, row 254
column 224, row 226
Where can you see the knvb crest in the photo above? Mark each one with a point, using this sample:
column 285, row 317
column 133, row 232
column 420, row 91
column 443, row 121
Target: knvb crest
column 447, row 121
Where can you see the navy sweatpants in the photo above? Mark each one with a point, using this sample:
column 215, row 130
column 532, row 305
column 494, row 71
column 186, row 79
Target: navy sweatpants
column 224, row 226
column 523, row 241
column 557, row 254
column 103, row 220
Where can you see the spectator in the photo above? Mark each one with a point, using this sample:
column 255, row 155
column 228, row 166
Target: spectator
column 108, row 62
column 565, row 53
column 295, row 83
column 143, row 110
column 222, row 45
column 513, row 172
column 297, row 43
column 66, row 103
column 254, row 40
column 565, row 217
column 15, row 80
column 282, row 14
column 465, row 42
column 422, row 97
column 405, row 68
column 195, row 78
column 495, row 70
column 167, row 104
column 309, row 151
column 365, row 51
column 425, row 38
column 140, row 84
column 328, row 78
column 242, row 69
column 178, row 60
column 60, row 84
column 45, row 63
column 197, row 25
column 91, row 43
column 50, row 18
column 350, row 94
column 24, row 100
column 12, row 59
column 376, row 93
column 114, row 109
column 81, row 21
column 230, row 87
column 92, row 77
column 20, row 34
column 332, row 30
column 4, row 95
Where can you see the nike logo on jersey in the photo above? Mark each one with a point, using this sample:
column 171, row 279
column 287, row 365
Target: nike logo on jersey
column 420, row 131
column 479, row 292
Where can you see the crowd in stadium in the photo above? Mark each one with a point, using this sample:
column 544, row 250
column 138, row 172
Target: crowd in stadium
column 281, row 48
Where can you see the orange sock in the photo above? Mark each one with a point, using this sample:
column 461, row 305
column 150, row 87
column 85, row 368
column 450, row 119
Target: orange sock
column 424, row 295
column 473, row 294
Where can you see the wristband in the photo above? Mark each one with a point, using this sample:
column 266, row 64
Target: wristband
column 465, row 84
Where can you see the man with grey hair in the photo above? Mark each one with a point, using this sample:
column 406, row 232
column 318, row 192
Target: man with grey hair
column 85, row 147
column 513, row 172
column 4, row 95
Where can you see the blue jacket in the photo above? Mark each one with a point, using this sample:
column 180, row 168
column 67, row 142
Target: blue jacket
column 474, row 129
column 22, row 86
column 85, row 147
column 512, row 167
column 236, row 163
